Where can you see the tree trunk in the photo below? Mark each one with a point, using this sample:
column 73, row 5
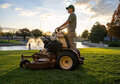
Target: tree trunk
column 24, row 38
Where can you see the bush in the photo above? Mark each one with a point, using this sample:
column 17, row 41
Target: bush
column 114, row 45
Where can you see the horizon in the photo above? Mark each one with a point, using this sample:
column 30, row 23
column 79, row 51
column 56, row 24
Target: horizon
column 46, row 15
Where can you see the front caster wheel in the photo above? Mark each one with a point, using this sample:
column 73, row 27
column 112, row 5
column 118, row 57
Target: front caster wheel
column 23, row 63
column 81, row 62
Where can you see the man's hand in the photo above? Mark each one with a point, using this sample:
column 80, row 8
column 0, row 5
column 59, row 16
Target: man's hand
column 58, row 28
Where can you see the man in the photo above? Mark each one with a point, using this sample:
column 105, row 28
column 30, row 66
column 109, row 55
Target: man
column 70, row 24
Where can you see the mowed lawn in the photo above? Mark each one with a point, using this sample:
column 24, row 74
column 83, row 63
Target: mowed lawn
column 101, row 66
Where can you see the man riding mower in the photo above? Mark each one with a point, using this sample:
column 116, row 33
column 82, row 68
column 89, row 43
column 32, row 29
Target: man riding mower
column 56, row 52
column 59, row 50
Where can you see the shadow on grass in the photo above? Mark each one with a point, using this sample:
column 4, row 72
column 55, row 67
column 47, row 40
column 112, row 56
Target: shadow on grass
column 48, row 76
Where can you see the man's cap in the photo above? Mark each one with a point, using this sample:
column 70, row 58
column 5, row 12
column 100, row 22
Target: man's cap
column 70, row 6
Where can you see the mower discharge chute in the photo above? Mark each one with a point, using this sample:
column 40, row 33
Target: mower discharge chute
column 56, row 52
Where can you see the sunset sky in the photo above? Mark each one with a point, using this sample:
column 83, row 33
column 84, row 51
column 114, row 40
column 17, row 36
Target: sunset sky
column 49, row 14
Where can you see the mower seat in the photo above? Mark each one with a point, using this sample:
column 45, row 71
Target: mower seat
column 67, row 41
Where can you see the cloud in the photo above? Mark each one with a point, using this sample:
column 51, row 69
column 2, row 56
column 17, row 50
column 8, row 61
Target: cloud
column 28, row 13
column 90, row 11
column 38, row 11
column 18, row 9
column 23, row 12
column 5, row 5
column 104, row 7
column 98, row 7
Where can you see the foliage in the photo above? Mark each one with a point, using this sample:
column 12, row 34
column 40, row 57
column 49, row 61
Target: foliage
column 114, row 26
column 113, row 44
column 7, row 34
column 98, row 33
column 24, row 33
column 85, row 34
column 102, row 66
column 113, row 30
column 1, row 31
column 36, row 33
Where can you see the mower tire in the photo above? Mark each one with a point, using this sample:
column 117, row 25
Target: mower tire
column 67, row 60
column 23, row 63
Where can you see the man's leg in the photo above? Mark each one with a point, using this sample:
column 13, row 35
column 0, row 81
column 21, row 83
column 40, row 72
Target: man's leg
column 71, row 37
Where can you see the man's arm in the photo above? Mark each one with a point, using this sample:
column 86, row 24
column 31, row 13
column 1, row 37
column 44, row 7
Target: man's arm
column 70, row 18
column 64, row 25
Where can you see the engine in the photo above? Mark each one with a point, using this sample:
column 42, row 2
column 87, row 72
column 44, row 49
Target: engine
column 52, row 46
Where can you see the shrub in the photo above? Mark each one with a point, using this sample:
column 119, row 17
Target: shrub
column 114, row 45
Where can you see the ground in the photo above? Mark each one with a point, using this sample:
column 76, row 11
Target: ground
column 102, row 66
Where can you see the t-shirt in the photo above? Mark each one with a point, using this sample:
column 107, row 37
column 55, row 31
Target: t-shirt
column 72, row 22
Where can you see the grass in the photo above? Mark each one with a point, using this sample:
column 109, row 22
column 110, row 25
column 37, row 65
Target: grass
column 10, row 42
column 102, row 66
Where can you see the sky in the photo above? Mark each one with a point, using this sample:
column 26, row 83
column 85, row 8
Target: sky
column 49, row 14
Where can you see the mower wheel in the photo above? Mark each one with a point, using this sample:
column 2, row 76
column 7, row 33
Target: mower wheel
column 81, row 62
column 67, row 60
column 23, row 63
column 82, row 58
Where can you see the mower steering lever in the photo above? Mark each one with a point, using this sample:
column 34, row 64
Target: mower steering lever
column 47, row 37
column 58, row 30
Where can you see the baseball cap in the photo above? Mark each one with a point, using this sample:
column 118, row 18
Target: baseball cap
column 71, row 6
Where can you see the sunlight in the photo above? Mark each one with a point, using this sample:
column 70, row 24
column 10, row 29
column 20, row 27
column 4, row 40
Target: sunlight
column 65, row 30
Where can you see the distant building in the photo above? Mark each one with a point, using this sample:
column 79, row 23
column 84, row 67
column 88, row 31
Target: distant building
column 109, row 38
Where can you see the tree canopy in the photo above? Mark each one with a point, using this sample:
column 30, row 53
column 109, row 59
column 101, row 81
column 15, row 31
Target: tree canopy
column 24, row 33
column 113, row 30
column 0, row 30
column 36, row 33
column 85, row 34
column 98, row 33
column 114, row 27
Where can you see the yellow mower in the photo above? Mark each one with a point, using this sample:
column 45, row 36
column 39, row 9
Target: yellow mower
column 56, row 53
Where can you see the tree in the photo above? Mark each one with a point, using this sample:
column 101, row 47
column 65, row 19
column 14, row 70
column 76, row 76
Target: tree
column 98, row 33
column 85, row 34
column 36, row 33
column 114, row 30
column 7, row 34
column 114, row 27
column 1, row 31
column 24, row 33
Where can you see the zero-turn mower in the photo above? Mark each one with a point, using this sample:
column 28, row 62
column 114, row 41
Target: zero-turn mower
column 56, row 53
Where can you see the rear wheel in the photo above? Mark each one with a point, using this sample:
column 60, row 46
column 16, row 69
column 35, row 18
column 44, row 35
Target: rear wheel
column 23, row 63
column 67, row 60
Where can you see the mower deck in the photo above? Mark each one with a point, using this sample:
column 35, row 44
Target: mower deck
column 41, row 65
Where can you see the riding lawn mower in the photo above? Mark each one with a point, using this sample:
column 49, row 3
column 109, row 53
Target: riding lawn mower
column 56, row 53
